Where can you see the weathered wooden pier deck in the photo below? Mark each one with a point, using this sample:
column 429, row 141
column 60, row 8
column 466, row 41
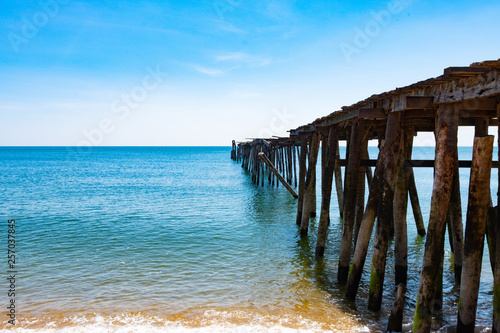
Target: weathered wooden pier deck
column 462, row 96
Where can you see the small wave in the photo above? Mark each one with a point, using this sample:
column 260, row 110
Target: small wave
column 238, row 321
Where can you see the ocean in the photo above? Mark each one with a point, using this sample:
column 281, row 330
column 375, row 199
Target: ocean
column 179, row 239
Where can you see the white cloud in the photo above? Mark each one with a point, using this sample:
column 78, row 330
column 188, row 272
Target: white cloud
column 231, row 28
column 243, row 58
column 210, row 71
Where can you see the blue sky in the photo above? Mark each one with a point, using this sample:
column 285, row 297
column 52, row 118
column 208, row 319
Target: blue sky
column 206, row 72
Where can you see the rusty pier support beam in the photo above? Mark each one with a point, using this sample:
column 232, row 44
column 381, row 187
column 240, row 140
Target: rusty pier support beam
column 351, row 185
column 310, row 185
column 329, row 149
column 475, row 229
column 446, row 150
column 392, row 151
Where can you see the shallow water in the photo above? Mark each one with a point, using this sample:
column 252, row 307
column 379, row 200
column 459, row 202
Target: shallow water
column 179, row 239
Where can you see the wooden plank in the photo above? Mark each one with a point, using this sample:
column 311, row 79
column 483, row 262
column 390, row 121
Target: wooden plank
column 467, row 85
column 480, row 103
column 421, row 124
column 484, row 85
column 478, row 113
column 464, row 71
column 420, row 114
column 268, row 162
column 338, row 117
column 487, row 64
column 405, row 102
column 420, row 102
column 372, row 113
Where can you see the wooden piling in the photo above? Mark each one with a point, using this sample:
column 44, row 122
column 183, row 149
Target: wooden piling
column 481, row 126
column 286, row 170
column 438, row 297
column 263, row 170
column 496, row 275
column 365, row 230
column 310, row 195
column 351, row 184
column 475, row 229
column 369, row 173
column 252, row 164
column 410, row 183
column 233, row 151
column 446, row 149
column 275, row 162
column 302, row 178
column 338, row 183
column 324, row 153
column 400, row 233
column 271, row 175
column 395, row 323
column 456, row 225
column 360, row 193
column 287, row 164
column 415, row 202
column 312, row 211
column 385, row 212
column 257, row 167
column 279, row 162
column 491, row 236
column 496, row 234
column 330, row 145
column 294, row 159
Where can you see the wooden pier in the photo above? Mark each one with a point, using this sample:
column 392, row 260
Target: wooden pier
column 462, row 96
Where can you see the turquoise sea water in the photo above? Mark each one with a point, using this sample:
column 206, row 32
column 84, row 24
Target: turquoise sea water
column 180, row 239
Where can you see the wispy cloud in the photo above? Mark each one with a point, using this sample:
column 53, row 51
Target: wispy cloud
column 117, row 25
column 231, row 28
column 243, row 58
column 210, row 71
column 231, row 61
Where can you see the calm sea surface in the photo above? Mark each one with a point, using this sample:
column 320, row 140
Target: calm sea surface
column 179, row 239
